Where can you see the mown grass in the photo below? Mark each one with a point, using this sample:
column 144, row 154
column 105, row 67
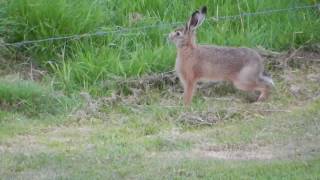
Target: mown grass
column 84, row 63
column 63, row 167
column 111, row 149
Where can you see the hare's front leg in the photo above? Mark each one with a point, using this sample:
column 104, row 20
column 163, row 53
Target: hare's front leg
column 189, row 87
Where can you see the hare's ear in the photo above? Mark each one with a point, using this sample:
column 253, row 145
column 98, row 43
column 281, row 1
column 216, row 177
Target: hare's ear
column 196, row 19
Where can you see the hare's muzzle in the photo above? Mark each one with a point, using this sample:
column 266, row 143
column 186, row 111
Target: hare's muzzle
column 171, row 36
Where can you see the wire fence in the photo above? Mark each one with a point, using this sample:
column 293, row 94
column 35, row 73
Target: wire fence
column 120, row 30
column 266, row 12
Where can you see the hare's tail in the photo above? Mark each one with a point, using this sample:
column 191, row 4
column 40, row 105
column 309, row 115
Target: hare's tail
column 266, row 78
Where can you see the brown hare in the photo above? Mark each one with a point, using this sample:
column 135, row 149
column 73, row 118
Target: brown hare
column 241, row 66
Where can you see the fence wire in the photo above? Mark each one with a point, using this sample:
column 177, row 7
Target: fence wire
column 120, row 30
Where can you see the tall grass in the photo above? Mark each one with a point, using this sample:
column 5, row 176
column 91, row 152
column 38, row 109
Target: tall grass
column 81, row 63
column 32, row 99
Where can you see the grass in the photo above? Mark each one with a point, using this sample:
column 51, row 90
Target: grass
column 48, row 130
column 83, row 64
column 154, row 140
column 102, row 149
column 32, row 98
column 191, row 169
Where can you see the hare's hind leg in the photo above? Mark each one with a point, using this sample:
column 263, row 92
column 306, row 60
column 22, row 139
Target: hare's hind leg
column 249, row 80
column 251, row 86
column 245, row 85
column 264, row 85
column 246, row 79
column 264, row 93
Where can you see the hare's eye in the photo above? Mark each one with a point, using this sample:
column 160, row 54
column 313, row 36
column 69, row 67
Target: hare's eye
column 178, row 33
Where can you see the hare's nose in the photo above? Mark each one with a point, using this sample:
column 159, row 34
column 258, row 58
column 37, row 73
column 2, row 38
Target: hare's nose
column 169, row 38
column 171, row 35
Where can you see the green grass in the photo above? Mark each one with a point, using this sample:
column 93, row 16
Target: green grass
column 31, row 98
column 26, row 105
column 111, row 149
column 153, row 141
column 195, row 169
column 84, row 63
column 81, row 168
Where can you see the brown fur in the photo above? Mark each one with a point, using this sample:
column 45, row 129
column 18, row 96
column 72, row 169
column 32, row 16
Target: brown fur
column 241, row 66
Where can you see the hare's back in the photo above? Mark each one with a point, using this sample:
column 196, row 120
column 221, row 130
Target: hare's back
column 226, row 62
column 228, row 55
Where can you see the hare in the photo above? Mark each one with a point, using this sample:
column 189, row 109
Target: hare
column 241, row 66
